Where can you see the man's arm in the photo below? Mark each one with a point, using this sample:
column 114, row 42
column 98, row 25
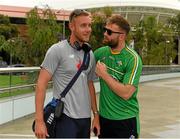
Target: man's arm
column 95, row 123
column 42, row 83
column 124, row 91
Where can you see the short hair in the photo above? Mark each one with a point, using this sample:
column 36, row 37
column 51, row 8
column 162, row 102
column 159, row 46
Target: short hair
column 78, row 12
column 120, row 22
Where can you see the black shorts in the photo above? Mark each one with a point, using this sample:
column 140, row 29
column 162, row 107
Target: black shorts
column 118, row 128
column 67, row 127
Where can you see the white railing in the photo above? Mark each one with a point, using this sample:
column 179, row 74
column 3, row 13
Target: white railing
column 18, row 69
column 147, row 70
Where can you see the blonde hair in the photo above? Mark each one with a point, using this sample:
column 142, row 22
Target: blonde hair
column 78, row 12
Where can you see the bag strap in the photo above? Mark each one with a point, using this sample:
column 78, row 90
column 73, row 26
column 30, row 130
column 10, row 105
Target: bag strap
column 84, row 66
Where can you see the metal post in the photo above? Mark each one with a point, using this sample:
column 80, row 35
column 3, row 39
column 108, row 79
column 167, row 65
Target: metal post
column 166, row 45
column 64, row 25
column 10, row 63
column 10, row 80
column 179, row 50
column 62, row 11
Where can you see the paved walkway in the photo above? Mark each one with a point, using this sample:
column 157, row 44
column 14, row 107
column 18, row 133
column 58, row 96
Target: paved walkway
column 160, row 108
column 160, row 112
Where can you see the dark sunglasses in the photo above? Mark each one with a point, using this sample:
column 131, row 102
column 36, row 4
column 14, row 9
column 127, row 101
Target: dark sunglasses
column 109, row 32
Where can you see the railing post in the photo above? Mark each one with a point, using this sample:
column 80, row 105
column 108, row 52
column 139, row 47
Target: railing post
column 179, row 50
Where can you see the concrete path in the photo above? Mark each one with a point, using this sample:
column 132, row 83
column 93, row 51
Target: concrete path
column 160, row 112
column 160, row 109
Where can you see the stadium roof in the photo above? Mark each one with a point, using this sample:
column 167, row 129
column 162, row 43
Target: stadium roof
column 73, row 4
column 132, row 10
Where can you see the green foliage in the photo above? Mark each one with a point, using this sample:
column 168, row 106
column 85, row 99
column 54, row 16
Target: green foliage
column 2, row 40
column 16, row 92
column 175, row 23
column 4, row 20
column 99, row 19
column 7, row 32
column 6, row 28
column 16, row 48
column 43, row 31
column 154, row 42
column 16, row 80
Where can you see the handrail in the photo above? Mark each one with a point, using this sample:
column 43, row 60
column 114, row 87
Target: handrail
column 19, row 86
column 147, row 70
column 11, row 70
column 161, row 66
column 18, row 69
column 16, row 87
column 24, row 69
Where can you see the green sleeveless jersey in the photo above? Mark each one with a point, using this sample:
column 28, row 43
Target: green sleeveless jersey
column 126, row 68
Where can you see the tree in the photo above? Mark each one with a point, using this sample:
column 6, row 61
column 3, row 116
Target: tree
column 13, row 47
column 154, row 42
column 43, row 31
column 175, row 25
column 7, row 32
column 7, row 29
column 99, row 18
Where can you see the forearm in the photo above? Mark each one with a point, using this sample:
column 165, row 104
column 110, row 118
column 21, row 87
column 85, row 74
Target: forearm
column 124, row 91
column 95, row 121
column 39, row 102
column 93, row 97
column 42, row 84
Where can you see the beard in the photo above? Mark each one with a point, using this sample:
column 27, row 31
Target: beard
column 111, row 43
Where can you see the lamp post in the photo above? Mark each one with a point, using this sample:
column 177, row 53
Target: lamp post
column 64, row 23
column 167, row 42
column 178, row 50
column 11, row 43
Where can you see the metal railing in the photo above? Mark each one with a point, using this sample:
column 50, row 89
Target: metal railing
column 147, row 70
column 159, row 69
column 20, row 71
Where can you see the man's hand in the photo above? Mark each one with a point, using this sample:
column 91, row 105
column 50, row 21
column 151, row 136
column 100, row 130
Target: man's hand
column 40, row 129
column 101, row 69
column 96, row 124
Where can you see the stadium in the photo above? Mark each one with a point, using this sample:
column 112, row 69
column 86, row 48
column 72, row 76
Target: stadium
column 133, row 10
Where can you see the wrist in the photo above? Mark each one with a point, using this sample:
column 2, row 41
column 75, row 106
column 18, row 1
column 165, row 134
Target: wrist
column 105, row 76
column 95, row 113
column 39, row 119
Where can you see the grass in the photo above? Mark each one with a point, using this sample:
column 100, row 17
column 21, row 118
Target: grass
column 15, row 81
column 16, row 92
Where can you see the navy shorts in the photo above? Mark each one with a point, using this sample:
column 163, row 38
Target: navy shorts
column 118, row 128
column 67, row 127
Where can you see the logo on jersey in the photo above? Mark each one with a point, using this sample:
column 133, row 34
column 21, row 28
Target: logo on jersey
column 71, row 56
column 78, row 65
column 119, row 63
column 112, row 58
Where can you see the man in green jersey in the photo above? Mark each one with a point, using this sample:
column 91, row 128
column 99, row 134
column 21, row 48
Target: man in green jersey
column 119, row 68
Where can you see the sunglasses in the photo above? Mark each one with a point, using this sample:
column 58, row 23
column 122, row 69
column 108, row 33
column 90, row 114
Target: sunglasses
column 109, row 32
column 76, row 13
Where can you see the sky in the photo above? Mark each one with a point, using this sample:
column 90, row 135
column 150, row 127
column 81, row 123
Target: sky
column 73, row 4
